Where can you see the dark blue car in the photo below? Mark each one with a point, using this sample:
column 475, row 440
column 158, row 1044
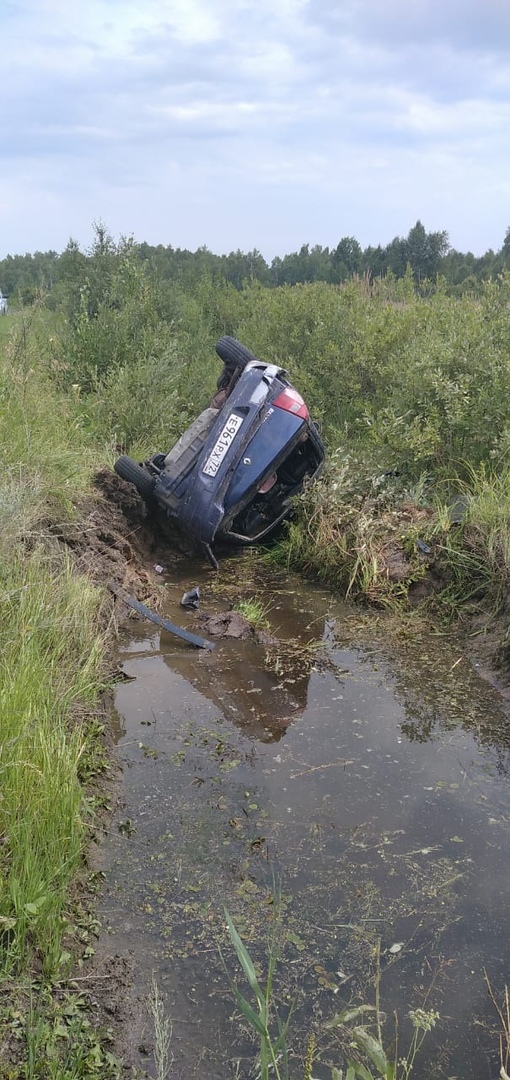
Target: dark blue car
column 232, row 475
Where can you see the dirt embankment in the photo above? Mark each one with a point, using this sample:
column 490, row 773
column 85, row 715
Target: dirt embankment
column 113, row 538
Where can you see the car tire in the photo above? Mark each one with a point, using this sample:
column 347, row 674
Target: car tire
column 233, row 353
column 136, row 474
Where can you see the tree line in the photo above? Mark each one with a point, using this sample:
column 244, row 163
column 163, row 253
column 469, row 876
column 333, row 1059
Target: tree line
column 427, row 254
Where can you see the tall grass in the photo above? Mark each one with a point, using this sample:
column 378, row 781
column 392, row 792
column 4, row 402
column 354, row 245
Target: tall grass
column 486, row 534
column 46, row 461
column 476, row 551
column 50, row 658
column 358, row 530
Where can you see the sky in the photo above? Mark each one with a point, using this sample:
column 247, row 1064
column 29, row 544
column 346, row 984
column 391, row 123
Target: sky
column 254, row 124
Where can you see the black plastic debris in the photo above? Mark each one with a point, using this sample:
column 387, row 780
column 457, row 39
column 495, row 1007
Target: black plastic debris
column 423, row 547
column 165, row 624
column 191, row 599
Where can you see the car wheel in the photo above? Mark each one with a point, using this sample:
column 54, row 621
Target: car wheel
column 136, row 474
column 233, row 353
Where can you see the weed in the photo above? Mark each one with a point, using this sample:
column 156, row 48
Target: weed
column 503, row 1012
column 273, row 1057
column 254, row 611
column 366, row 1046
column 51, row 1038
column 369, row 1045
column 162, row 1031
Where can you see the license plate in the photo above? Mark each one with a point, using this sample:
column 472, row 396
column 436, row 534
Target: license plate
column 226, row 438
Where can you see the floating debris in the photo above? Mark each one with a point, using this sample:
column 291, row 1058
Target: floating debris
column 191, row 599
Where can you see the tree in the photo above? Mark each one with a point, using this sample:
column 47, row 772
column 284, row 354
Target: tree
column 346, row 259
column 397, row 256
column 505, row 250
column 425, row 250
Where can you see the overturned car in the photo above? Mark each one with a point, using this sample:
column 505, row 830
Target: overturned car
column 232, row 475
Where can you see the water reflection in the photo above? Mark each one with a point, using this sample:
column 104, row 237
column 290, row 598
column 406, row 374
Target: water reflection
column 376, row 836
column 261, row 685
column 441, row 691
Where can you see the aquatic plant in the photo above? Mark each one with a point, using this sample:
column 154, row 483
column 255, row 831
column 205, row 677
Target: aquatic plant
column 365, row 1045
column 273, row 1056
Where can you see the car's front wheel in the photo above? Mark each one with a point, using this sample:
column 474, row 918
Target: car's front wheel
column 136, row 474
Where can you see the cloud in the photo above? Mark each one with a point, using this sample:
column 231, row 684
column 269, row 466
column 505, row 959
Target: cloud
column 297, row 119
column 469, row 26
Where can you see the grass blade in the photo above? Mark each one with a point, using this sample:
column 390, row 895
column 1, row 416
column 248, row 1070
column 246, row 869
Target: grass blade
column 249, row 1014
column 372, row 1048
column 245, row 960
column 349, row 1014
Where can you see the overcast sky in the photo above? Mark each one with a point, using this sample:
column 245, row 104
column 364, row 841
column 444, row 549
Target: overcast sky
column 254, row 123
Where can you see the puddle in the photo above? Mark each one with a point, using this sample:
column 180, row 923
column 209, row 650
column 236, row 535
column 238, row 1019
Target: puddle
column 366, row 785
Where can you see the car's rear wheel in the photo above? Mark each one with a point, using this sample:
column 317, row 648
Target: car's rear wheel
column 136, row 474
column 233, row 353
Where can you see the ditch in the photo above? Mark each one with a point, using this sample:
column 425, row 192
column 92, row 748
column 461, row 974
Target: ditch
column 344, row 782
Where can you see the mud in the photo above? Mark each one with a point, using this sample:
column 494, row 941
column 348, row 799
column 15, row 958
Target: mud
column 113, row 537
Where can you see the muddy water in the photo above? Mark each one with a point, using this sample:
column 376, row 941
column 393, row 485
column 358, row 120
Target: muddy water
column 340, row 792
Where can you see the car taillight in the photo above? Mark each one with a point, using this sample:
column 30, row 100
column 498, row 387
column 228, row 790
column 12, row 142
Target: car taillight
column 290, row 400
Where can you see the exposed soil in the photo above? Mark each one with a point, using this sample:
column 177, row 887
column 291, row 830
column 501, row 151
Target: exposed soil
column 113, row 537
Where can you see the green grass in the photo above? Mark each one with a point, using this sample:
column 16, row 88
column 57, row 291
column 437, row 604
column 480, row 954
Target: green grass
column 52, row 653
column 46, row 462
column 7, row 324
column 51, row 657
column 50, row 669
column 254, row 611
